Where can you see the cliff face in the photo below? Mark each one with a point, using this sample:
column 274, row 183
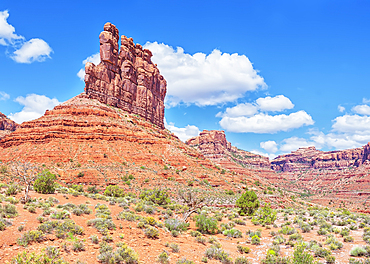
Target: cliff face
column 311, row 158
column 126, row 78
column 213, row 145
column 6, row 125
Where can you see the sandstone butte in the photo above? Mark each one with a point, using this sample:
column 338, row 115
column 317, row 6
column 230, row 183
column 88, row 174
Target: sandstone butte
column 115, row 128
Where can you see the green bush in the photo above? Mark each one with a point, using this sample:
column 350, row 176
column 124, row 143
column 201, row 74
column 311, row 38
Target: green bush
column 256, row 240
column 242, row 249
column 160, row 197
column 12, row 189
column 152, row 232
column 265, row 215
column 114, row 191
column 358, row 251
column 45, row 182
column 206, row 225
column 247, row 203
column 241, row 260
column 175, row 224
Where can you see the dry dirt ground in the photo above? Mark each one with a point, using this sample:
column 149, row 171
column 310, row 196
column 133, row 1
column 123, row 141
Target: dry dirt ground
column 149, row 249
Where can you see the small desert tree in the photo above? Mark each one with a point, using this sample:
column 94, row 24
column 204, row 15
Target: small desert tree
column 45, row 182
column 193, row 199
column 247, row 203
column 25, row 173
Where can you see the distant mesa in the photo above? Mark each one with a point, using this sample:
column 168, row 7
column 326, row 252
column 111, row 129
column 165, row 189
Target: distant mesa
column 126, row 77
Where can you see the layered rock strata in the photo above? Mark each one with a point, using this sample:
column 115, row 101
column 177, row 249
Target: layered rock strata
column 6, row 125
column 311, row 158
column 126, row 77
column 213, row 145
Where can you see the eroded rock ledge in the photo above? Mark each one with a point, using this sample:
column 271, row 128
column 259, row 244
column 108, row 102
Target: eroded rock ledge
column 126, row 77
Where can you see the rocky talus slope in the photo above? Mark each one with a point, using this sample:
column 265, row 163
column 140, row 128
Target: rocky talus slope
column 6, row 125
column 126, row 78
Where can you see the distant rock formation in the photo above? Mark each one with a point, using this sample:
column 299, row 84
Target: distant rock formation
column 214, row 146
column 311, row 158
column 126, row 77
column 6, row 125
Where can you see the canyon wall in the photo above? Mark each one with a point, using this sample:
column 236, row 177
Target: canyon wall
column 126, row 78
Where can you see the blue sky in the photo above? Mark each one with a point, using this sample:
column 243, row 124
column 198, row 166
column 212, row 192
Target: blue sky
column 275, row 75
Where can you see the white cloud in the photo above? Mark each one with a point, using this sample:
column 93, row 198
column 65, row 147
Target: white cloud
column 25, row 51
column 294, row 143
column 277, row 103
column 270, row 146
column 4, row 96
column 263, row 123
column 203, row 79
column 352, row 124
column 95, row 58
column 7, row 31
column 34, row 107
column 365, row 100
column 361, row 109
column 245, row 109
column 32, row 50
column 183, row 133
column 341, row 108
column 269, row 155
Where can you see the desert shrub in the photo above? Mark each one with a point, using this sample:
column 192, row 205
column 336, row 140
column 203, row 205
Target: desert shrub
column 13, row 189
column 164, row 257
column 4, row 223
column 358, row 251
column 175, row 247
column 322, row 252
column 344, row 232
column 287, row 230
column 247, row 203
column 206, row 225
column 272, row 257
column 330, row 259
column 242, row 249
column 295, row 236
column 302, row 256
column 184, row 261
column 195, row 233
column 264, row 216
column 279, row 240
column 348, row 239
column 32, row 258
column 305, row 227
column 128, row 216
column 235, row 233
column 175, row 224
column 156, row 196
column 45, row 183
column 333, row 243
column 255, row 240
column 122, row 254
column 29, row 237
column 241, row 260
column 92, row 189
column 114, row 191
column 94, row 239
column 8, row 211
column 102, row 224
column 227, row 226
column 60, row 215
column 77, row 187
column 78, row 246
column 201, row 239
column 239, row 221
column 219, row 254
column 151, row 232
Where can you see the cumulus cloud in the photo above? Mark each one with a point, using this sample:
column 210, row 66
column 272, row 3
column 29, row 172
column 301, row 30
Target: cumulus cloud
column 277, row 103
column 361, row 109
column 183, row 133
column 263, row 123
column 95, row 58
column 341, row 108
column 4, row 96
column 34, row 107
column 352, row 124
column 251, row 117
column 32, row 50
column 7, row 31
column 25, row 51
column 270, row 146
column 294, row 143
column 204, row 79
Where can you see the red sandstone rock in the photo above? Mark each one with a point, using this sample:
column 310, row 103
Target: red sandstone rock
column 6, row 125
column 126, row 78
column 213, row 145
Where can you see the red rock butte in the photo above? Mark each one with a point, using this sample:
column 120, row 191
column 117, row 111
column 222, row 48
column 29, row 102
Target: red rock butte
column 126, row 77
